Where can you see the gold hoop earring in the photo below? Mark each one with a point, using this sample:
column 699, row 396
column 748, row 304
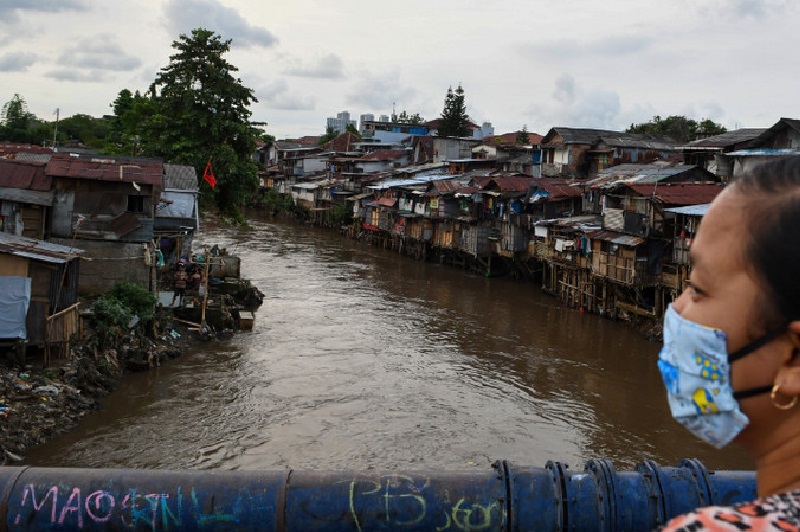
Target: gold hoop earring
column 785, row 406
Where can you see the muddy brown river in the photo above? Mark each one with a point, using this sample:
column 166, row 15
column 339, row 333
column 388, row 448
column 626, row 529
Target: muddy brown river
column 361, row 358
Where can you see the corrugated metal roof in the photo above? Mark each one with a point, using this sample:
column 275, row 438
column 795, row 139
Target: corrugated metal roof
column 554, row 189
column 386, row 202
column 449, row 186
column 512, row 183
column 40, row 250
column 142, row 171
column 14, row 148
column 680, row 193
column 37, row 157
column 180, row 177
column 634, row 140
column 385, row 155
column 637, row 173
column 693, row 210
column 615, row 237
column 724, row 140
column 571, row 135
column 761, row 152
column 416, row 180
column 24, row 175
column 32, row 197
column 617, row 139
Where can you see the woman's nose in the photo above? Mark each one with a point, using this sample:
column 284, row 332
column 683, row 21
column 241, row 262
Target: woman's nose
column 680, row 303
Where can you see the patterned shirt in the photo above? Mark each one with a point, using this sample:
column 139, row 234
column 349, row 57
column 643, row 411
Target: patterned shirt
column 776, row 512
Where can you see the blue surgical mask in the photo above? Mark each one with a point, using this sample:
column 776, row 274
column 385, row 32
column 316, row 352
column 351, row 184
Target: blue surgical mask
column 695, row 367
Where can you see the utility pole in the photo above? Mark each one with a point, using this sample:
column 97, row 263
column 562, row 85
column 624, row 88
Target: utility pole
column 55, row 132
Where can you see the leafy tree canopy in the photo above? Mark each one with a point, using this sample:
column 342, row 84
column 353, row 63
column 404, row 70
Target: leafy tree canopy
column 352, row 129
column 16, row 122
column 329, row 135
column 85, row 129
column 680, row 128
column 200, row 110
column 454, row 120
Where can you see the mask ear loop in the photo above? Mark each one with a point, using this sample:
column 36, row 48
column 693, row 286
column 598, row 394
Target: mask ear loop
column 784, row 406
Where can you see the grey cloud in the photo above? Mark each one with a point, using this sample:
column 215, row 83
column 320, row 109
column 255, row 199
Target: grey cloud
column 599, row 109
column 564, row 91
column 374, row 91
column 326, row 67
column 622, row 44
column 11, row 8
column 99, row 52
column 69, row 74
column 17, row 62
column 46, row 5
column 276, row 95
column 185, row 15
column 757, row 9
column 574, row 48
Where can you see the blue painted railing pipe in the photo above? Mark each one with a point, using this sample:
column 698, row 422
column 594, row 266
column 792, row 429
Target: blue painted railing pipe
column 504, row 497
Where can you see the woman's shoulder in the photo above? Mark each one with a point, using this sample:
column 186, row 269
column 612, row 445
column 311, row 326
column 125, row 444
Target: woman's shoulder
column 776, row 512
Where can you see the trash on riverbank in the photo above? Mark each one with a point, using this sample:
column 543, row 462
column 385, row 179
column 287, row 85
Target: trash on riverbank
column 39, row 402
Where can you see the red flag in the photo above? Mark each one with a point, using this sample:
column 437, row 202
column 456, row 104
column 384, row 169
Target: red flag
column 208, row 175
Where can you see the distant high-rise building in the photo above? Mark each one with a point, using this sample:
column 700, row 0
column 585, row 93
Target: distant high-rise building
column 384, row 118
column 340, row 123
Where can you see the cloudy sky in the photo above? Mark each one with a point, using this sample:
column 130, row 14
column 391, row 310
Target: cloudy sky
column 577, row 63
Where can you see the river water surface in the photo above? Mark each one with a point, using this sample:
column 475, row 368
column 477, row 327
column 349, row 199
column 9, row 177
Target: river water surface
column 361, row 358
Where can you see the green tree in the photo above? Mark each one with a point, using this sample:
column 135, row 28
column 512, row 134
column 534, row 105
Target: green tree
column 405, row 118
column 454, row 120
column 85, row 129
column 16, row 122
column 201, row 110
column 522, row 136
column 679, row 128
column 329, row 135
column 352, row 129
column 709, row 127
column 132, row 111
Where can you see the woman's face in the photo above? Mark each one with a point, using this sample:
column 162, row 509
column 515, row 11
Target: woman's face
column 724, row 294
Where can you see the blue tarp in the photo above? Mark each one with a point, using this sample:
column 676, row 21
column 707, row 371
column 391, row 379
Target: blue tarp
column 15, row 298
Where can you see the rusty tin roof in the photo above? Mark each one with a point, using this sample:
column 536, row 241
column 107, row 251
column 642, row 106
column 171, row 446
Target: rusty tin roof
column 142, row 171
column 40, row 250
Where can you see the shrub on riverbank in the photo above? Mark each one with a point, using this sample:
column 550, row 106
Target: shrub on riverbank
column 127, row 306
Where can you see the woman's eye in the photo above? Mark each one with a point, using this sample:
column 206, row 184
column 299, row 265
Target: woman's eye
column 693, row 289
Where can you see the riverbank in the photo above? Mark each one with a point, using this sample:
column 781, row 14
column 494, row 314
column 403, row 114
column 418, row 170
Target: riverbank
column 39, row 401
column 649, row 326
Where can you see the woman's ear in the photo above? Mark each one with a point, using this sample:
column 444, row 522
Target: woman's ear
column 794, row 337
column 788, row 377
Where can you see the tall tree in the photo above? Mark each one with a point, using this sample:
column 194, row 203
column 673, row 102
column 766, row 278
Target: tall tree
column 16, row 122
column 201, row 110
column 454, row 120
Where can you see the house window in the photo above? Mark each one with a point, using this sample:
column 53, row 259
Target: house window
column 135, row 203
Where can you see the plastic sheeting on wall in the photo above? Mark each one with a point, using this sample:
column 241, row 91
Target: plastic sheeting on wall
column 15, row 298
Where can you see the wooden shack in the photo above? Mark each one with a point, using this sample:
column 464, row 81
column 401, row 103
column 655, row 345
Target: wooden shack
column 51, row 319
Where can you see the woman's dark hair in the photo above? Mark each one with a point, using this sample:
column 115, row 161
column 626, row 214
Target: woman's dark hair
column 772, row 245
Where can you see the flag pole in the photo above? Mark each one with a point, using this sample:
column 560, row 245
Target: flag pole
column 55, row 132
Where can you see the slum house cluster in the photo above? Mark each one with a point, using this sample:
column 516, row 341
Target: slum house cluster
column 604, row 219
column 74, row 225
